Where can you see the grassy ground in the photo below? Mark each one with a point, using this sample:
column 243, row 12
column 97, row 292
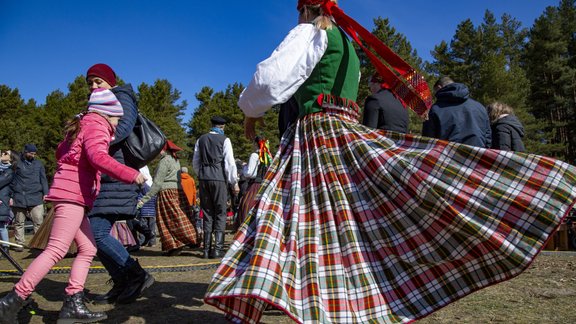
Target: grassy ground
column 545, row 293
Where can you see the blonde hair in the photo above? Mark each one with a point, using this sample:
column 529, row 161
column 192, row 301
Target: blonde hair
column 317, row 17
column 497, row 109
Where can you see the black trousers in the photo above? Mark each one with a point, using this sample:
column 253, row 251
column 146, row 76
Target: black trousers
column 213, row 198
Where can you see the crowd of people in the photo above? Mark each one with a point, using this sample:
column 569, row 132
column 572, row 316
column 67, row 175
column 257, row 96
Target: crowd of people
column 353, row 219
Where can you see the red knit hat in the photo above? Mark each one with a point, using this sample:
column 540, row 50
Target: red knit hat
column 104, row 72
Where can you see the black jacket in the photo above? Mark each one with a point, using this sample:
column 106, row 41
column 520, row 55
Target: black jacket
column 5, row 193
column 29, row 185
column 116, row 198
column 384, row 111
column 507, row 134
column 455, row 117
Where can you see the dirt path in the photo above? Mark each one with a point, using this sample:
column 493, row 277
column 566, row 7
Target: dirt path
column 545, row 293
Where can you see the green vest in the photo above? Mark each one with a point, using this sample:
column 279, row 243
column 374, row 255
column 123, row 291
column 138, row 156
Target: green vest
column 335, row 78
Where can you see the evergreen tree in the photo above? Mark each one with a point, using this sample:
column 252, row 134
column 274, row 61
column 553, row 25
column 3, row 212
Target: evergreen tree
column 401, row 46
column 551, row 69
column 11, row 107
column 159, row 103
column 225, row 104
column 487, row 59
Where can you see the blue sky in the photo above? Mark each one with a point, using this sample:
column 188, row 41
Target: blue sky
column 44, row 45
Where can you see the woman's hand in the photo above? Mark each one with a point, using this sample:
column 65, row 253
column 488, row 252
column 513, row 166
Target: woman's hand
column 140, row 179
column 250, row 126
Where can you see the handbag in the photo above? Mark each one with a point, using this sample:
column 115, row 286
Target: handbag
column 144, row 143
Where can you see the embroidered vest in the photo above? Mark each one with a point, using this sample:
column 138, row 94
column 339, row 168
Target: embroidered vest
column 334, row 80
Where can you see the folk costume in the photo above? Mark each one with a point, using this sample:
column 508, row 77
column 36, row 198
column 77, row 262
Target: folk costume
column 255, row 171
column 215, row 167
column 355, row 225
column 175, row 228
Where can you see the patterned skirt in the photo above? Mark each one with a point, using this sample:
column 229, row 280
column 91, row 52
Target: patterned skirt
column 175, row 228
column 355, row 225
column 246, row 204
column 122, row 233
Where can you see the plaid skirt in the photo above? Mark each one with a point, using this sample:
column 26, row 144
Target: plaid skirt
column 356, row 225
column 175, row 228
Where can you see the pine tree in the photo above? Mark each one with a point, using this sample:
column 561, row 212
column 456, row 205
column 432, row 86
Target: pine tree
column 225, row 104
column 401, row 46
column 487, row 59
column 158, row 102
column 550, row 65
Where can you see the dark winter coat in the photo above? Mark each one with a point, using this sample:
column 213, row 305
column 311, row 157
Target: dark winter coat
column 384, row 111
column 116, row 198
column 5, row 193
column 455, row 117
column 29, row 185
column 507, row 134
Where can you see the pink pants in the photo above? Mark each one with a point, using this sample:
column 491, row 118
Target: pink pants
column 69, row 224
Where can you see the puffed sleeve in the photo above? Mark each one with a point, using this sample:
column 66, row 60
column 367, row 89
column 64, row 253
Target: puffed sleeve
column 278, row 77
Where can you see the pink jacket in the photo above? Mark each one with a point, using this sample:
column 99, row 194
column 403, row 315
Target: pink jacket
column 77, row 179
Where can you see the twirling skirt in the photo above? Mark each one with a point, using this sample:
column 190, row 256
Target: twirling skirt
column 354, row 225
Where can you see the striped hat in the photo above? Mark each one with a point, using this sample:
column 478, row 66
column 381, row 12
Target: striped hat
column 105, row 102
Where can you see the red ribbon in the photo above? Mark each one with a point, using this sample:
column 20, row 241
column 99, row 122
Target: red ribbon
column 407, row 85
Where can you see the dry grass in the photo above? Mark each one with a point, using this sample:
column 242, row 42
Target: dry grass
column 545, row 293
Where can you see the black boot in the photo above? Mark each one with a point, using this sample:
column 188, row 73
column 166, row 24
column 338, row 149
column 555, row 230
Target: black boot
column 148, row 236
column 138, row 281
column 75, row 311
column 10, row 305
column 119, row 284
column 218, row 245
column 207, row 244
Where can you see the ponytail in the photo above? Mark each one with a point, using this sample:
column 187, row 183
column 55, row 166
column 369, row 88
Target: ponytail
column 72, row 128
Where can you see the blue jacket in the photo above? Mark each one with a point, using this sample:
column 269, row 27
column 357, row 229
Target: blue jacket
column 457, row 118
column 29, row 185
column 5, row 193
column 119, row 199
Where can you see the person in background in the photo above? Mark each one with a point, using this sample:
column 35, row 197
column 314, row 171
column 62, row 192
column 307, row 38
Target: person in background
column 148, row 212
column 455, row 117
column 360, row 225
column 189, row 189
column 29, row 188
column 8, row 161
column 176, row 229
column 254, row 173
column 117, row 201
column 214, row 164
column 382, row 110
column 81, row 157
column 507, row 130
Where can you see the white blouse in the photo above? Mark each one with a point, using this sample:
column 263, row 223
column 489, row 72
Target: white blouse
column 278, row 77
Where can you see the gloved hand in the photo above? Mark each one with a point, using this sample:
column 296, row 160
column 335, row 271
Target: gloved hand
column 139, row 204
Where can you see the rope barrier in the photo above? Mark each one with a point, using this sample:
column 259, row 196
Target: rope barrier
column 100, row 269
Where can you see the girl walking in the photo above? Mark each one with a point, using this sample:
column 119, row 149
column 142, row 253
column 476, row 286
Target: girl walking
column 82, row 156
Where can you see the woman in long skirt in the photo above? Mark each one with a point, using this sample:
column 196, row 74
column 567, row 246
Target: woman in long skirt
column 354, row 225
column 175, row 228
